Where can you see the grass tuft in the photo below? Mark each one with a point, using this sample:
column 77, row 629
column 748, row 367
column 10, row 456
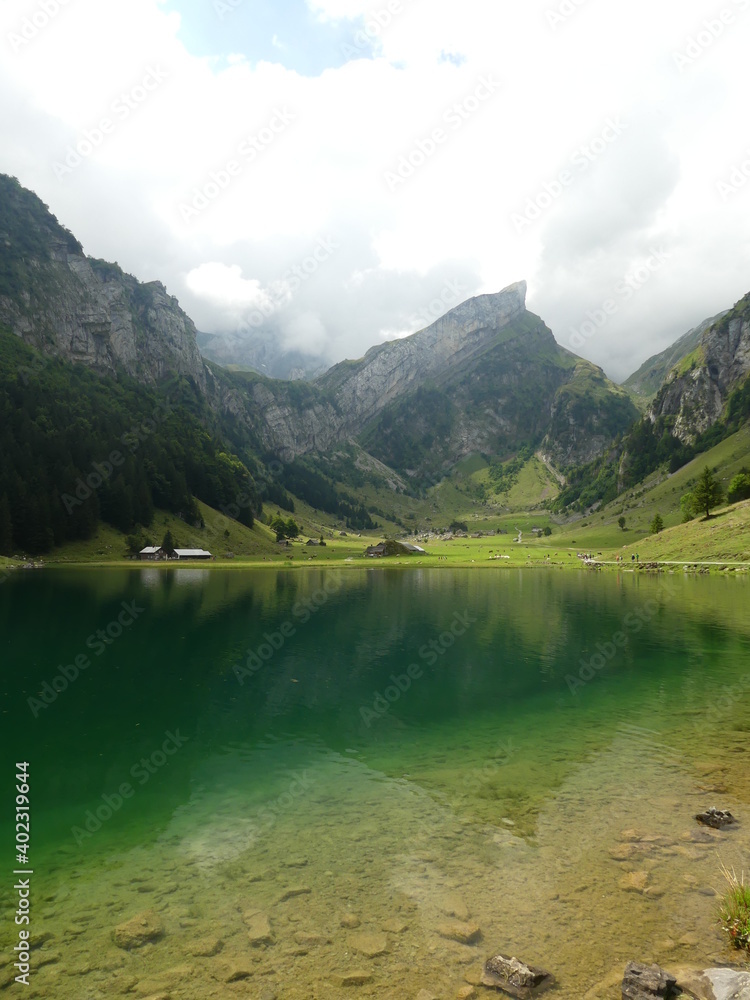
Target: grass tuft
column 734, row 909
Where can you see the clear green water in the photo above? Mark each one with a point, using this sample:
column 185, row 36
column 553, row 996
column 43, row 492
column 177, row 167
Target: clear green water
column 488, row 789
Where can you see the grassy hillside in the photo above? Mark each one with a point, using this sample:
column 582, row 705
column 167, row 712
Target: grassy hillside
column 661, row 493
column 220, row 535
column 725, row 537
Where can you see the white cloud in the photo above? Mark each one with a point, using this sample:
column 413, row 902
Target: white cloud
column 225, row 286
column 325, row 172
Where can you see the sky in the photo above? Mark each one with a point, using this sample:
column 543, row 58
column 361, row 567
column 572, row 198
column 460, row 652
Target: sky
column 341, row 172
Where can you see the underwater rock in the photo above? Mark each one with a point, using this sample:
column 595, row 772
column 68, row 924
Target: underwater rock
column 634, row 881
column 258, row 928
column 297, row 890
column 644, row 982
column 237, row 973
column 370, row 945
column 458, row 930
column 716, row 818
column 309, row 938
column 623, row 852
column 205, row 947
column 454, row 905
column 355, row 977
column 395, row 926
column 514, row 977
column 142, row 929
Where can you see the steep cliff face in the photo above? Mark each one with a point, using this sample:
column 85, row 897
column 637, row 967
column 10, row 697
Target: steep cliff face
column 284, row 418
column 64, row 303
column 520, row 389
column 694, row 393
column 650, row 377
column 363, row 388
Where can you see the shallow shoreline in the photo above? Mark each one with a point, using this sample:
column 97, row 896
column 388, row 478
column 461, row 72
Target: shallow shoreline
column 707, row 567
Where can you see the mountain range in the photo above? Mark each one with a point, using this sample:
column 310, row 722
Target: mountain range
column 486, row 379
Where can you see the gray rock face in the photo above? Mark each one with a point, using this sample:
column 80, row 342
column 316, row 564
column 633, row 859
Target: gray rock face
column 363, row 388
column 696, row 397
column 99, row 316
column 649, row 378
column 729, row 984
column 645, row 982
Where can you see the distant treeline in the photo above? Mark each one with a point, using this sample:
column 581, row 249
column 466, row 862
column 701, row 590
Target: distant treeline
column 320, row 492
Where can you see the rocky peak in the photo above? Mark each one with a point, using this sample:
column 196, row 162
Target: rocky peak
column 363, row 388
column 62, row 302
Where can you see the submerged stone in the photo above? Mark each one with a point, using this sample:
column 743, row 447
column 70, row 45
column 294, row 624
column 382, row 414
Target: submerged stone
column 454, row 905
column 369, row 944
column 634, row 882
column 297, row 890
column 205, row 947
column 514, row 977
column 142, row 929
column 355, row 977
column 459, row 930
column 258, row 928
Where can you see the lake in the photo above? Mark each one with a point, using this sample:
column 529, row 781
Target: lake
column 382, row 774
